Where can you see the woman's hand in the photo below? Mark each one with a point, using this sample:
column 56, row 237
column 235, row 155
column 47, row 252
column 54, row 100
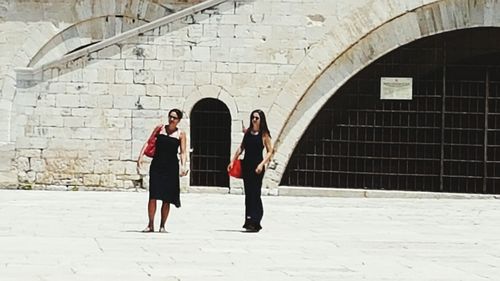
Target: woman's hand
column 259, row 169
column 229, row 167
column 184, row 172
column 139, row 165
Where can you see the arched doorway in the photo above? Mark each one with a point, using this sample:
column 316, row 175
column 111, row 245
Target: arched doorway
column 446, row 138
column 211, row 143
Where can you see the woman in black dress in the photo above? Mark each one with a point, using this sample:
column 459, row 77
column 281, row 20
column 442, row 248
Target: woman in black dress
column 164, row 170
column 256, row 137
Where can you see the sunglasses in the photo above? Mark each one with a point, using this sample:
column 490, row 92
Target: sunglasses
column 173, row 117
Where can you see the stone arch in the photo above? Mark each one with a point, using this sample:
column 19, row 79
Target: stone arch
column 297, row 105
column 98, row 20
column 147, row 10
column 219, row 93
column 216, row 92
column 83, row 34
column 210, row 137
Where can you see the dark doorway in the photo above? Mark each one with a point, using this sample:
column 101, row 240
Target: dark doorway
column 211, row 143
column 445, row 139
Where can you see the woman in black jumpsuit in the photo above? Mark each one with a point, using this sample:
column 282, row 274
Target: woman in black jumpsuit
column 164, row 170
column 256, row 137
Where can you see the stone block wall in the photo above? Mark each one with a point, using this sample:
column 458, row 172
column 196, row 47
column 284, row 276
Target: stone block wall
column 83, row 123
column 35, row 32
column 80, row 123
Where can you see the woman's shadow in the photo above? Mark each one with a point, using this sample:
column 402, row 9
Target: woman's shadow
column 218, row 230
column 234, row 230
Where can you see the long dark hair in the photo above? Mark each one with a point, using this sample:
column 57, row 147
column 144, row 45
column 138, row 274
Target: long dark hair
column 263, row 129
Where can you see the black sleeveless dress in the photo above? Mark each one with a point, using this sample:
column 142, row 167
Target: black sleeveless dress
column 164, row 171
column 252, row 181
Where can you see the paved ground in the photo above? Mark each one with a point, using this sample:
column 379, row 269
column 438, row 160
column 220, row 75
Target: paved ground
column 48, row 235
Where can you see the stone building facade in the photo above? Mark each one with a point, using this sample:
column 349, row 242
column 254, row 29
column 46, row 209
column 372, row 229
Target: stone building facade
column 81, row 90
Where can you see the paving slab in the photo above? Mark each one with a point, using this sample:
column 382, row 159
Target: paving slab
column 54, row 235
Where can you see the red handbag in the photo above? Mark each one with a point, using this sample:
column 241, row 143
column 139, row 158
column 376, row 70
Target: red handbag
column 150, row 149
column 235, row 171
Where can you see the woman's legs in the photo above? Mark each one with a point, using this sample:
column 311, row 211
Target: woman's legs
column 151, row 215
column 165, row 209
column 259, row 208
column 248, row 203
column 253, row 203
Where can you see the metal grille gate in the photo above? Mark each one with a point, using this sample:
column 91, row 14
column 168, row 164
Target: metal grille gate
column 211, row 143
column 447, row 138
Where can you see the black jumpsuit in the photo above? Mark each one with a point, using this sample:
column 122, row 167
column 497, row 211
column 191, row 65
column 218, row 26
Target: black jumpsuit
column 164, row 170
column 252, row 181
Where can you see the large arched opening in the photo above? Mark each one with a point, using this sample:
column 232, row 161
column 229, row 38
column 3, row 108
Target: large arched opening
column 446, row 138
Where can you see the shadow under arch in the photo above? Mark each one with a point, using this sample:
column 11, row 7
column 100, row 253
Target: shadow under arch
column 439, row 17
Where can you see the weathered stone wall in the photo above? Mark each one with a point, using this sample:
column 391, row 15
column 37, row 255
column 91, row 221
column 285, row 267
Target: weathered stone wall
column 33, row 31
column 85, row 121
column 29, row 24
column 79, row 123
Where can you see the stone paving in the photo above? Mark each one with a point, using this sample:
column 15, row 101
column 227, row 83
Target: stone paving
column 48, row 235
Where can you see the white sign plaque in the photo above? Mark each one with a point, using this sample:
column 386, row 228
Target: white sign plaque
column 396, row 88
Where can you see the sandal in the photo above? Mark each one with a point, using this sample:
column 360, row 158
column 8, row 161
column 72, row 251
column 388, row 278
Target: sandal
column 148, row 229
column 162, row 230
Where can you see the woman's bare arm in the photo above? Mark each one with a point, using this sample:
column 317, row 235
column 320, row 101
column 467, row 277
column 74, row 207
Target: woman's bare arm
column 183, row 140
column 269, row 153
column 141, row 154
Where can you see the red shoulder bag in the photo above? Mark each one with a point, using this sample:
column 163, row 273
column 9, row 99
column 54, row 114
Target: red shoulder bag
column 235, row 171
column 149, row 151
